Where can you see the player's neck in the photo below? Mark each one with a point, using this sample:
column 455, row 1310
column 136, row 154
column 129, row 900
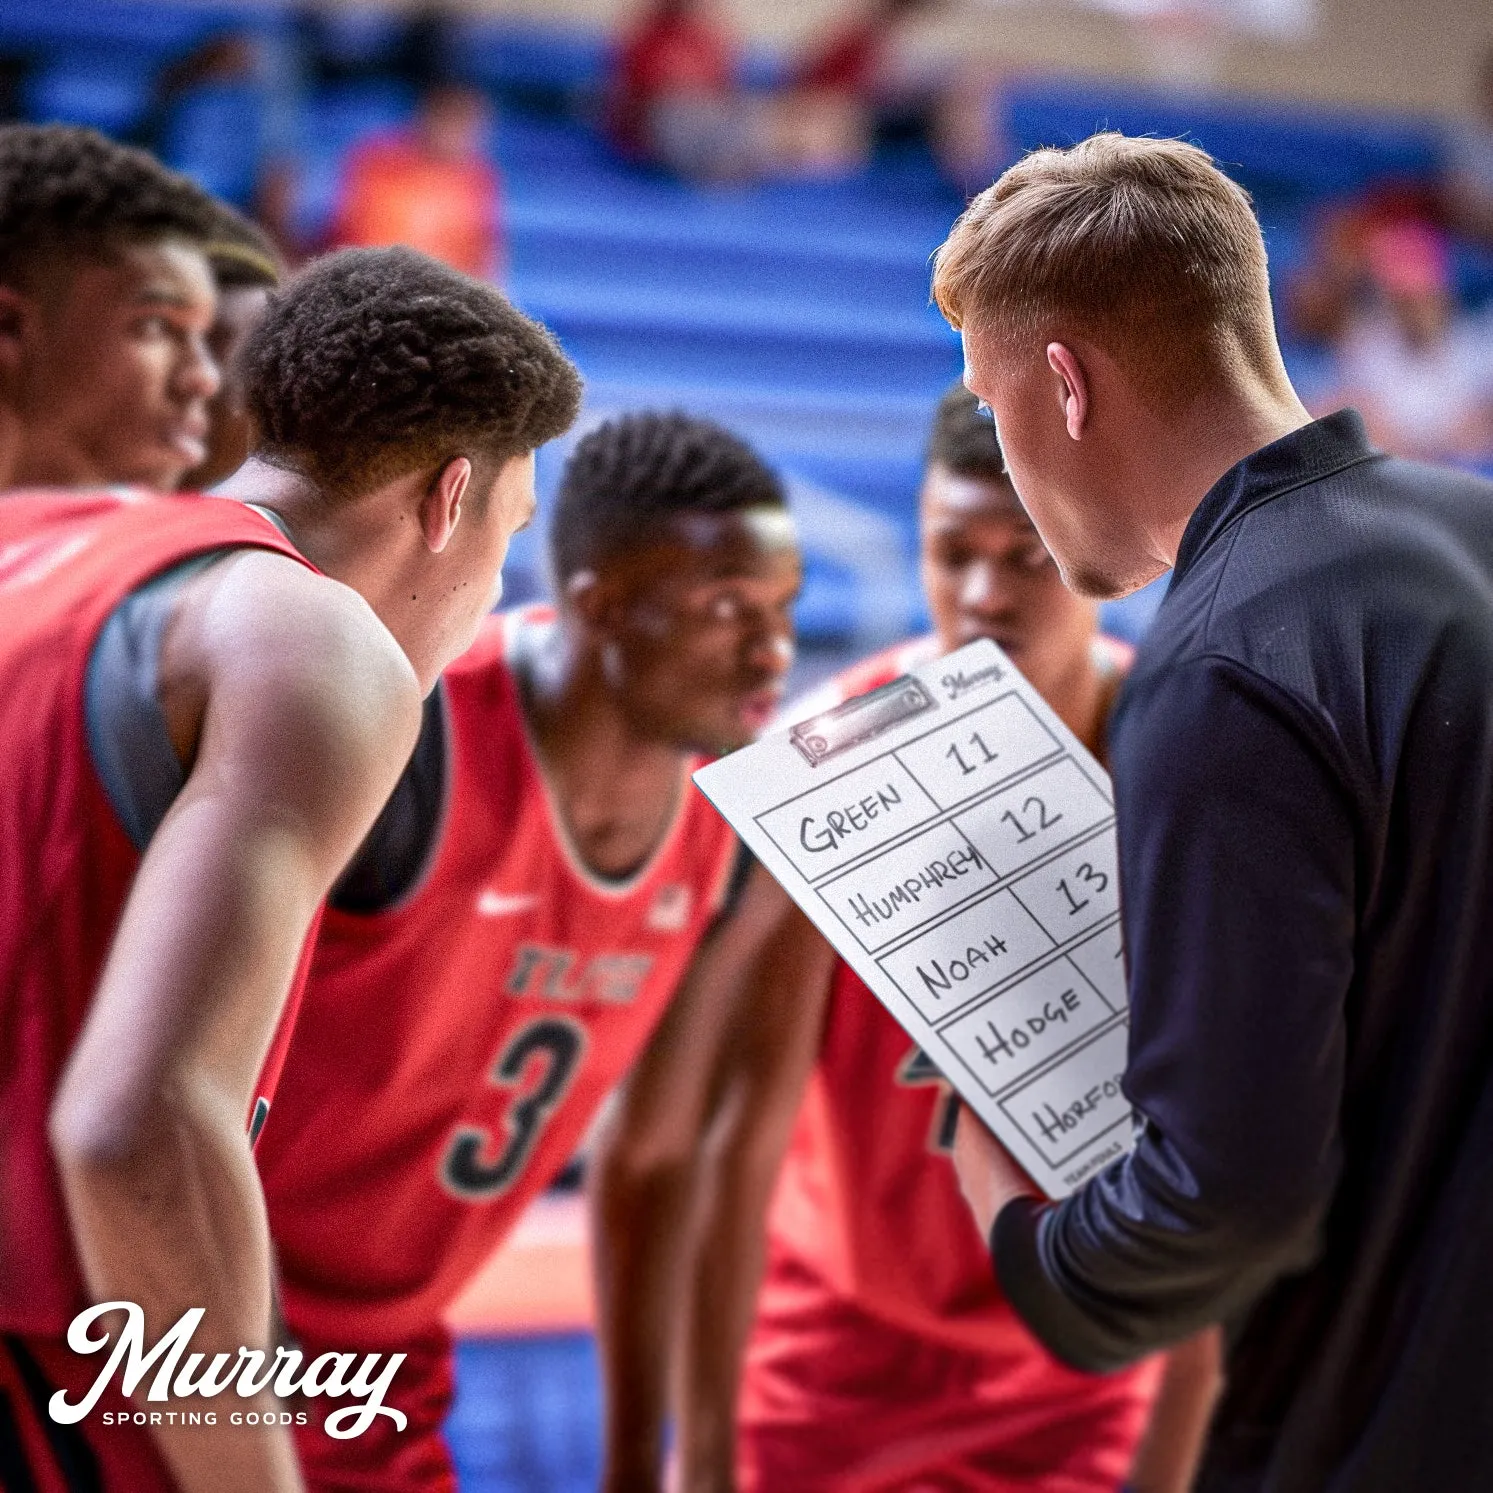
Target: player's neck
column 615, row 788
column 1081, row 698
column 10, row 450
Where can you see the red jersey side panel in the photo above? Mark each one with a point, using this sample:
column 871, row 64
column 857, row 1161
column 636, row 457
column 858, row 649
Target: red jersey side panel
column 66, row 866
column 451, row 1050
column 882, row 1336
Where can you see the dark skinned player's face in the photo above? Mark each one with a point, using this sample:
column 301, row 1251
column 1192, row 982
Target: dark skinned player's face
column 986, row 575
column 240, row 309
column 697, row 629
column 111, row 369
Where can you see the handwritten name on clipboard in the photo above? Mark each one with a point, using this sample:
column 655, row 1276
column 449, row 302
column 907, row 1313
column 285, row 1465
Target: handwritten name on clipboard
column 955, row 842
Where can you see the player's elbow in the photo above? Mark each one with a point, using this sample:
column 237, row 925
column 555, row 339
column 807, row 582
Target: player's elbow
column 92, row 1144
column 632, row 1160
column 104, row 1137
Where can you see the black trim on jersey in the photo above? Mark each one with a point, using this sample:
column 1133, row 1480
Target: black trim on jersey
column 74, row 1458
column 15, row 1472
column 128, row 738
column 401, row 847
column 741, row 873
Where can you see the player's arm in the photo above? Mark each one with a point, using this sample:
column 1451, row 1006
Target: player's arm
column 1167, row 1459
column 771, row 1051
column 645, row 1176
column 308, row 712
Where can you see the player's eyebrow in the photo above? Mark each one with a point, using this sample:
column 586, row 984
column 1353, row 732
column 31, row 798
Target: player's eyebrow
column 160, row 295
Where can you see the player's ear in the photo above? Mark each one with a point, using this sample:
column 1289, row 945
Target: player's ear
column 15, row 313
column 440, row 508
column 586, row 596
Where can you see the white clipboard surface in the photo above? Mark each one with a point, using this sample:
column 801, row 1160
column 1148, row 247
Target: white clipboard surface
column 955, row 842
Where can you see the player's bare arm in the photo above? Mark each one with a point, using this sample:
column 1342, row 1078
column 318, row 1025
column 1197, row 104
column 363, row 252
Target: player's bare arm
column 758, row 1089
column 683, row 1179
column 296, row 712
column 648, row 1176
column 1167, row 1459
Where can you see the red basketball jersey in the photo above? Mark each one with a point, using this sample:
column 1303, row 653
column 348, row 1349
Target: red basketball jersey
column 882, row 1334
column 67, row 559
column 451, row 1050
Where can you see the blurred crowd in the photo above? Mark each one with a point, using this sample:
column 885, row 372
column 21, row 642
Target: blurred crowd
column 1380, row 297
column 678, row 99
column 1382, row 294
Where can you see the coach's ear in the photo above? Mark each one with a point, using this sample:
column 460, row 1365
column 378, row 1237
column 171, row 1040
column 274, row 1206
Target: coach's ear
column 440, row 508
column 1071, row 386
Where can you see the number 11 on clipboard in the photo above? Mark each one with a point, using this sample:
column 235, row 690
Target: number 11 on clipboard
column 955, row 842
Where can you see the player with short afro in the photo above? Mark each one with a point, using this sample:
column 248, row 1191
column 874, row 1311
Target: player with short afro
column 383, row 354
column 106, row 298
column 204, row 705
column 513, row 933
column 629, row 477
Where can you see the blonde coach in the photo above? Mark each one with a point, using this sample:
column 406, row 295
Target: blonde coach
column 1303, row 762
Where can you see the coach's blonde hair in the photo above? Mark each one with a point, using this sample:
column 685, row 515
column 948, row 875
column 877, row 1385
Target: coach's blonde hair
column 1142, row 245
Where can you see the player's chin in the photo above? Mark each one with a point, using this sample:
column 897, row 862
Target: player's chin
column 161, row 467
column 1011, row 644
column 726, row 733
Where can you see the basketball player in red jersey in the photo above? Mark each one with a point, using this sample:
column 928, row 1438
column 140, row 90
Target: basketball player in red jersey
column 882, row 1356
column 243, row 633
column 104, row 375
column 246, row 269
column 513, row 931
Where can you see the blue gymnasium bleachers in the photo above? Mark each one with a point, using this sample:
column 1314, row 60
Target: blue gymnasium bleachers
column 797, row 314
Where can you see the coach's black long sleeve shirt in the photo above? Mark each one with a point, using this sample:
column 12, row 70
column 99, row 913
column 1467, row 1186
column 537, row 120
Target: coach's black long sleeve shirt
column 1303, row 764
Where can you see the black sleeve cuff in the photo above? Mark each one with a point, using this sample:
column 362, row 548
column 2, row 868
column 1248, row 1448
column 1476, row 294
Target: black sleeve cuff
column 1063, row 1328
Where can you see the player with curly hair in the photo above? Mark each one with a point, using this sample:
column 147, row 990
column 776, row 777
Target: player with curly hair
column 106, row 298
column 833, row 1323
column 204, row 704
column 518, row 926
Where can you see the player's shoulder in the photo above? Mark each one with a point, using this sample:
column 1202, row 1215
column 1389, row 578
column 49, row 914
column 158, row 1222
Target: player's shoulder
column 266, row 625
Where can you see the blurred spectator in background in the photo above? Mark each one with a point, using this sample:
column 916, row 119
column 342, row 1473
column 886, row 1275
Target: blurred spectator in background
column 1323, row 294
column 246, row 268
column 674, row 97
column 431, row 187
column 1419, row 369
column 228, row 57
column 826, row 121
column 268, row 71
column 1469, row 180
